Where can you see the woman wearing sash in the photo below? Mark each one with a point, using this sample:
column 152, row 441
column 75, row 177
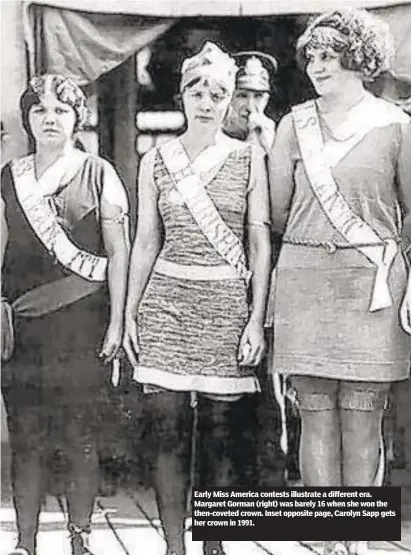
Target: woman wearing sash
column 66, row 257
column 190, row 332
column 341, row 196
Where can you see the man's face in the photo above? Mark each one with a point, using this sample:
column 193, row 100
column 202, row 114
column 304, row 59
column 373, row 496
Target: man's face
column 246, row 102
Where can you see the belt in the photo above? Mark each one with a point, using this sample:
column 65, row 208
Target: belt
column 330, row 246
column 193, row 272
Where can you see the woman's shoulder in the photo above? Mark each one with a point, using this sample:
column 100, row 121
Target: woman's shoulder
column 388, row 110
column 94, row 159
column 150, row 159
column 99, row 165
column 14, row 168
column 235, row 145
column 286, row 123
column 18, row 166
column 286, row 137
column 391, row 125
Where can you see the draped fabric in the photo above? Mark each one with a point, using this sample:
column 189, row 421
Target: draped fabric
column 83, row 46
column 192, row 8
column 87, row 44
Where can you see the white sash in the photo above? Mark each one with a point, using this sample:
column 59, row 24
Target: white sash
column 189, row 184
column 357, row 232
column 44, row 223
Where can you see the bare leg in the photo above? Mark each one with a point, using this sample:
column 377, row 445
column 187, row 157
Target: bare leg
column 361, row 435
column 361, row 431
column 320, row 451
column 320, row 456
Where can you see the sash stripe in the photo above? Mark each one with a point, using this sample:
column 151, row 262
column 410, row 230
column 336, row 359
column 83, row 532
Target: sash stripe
column 192, row 190
column 355, row 230
column 46, row 227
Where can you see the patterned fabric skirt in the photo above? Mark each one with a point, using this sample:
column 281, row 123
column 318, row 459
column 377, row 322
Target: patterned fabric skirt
column 189, row 333
column 322, row 323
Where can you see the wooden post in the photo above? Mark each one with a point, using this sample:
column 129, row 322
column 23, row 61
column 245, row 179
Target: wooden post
column 39, row 57
column 125, row 108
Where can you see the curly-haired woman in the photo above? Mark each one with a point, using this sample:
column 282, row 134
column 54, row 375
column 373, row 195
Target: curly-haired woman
column 66, row 255
column 341, row 196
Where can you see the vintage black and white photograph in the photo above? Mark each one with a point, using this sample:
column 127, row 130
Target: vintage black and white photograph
column 206, row 257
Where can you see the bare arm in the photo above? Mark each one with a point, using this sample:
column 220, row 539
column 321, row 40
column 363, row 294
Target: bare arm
column 147, row 242
column 259, row 256
column 146, row 248
column 114, row 224
column 280, row 171
column 280, row 166
column 259, row 238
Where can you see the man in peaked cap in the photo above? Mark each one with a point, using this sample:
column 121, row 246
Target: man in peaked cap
column 254, row 83
column 247, row 121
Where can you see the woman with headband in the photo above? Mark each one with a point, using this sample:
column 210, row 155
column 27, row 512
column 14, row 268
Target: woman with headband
column 196, row 299
column 64, row 281
column 341, row 199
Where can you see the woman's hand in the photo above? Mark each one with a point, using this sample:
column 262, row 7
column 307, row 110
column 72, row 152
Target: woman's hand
column 252, row 344
column 112, row 342
column 130, row 340
column 405, row 310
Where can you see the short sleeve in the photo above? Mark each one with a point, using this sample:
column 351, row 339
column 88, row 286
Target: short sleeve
column 113, row 191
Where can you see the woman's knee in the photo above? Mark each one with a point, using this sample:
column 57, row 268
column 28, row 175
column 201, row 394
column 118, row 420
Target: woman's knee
column 313, row 394
column 361, row 410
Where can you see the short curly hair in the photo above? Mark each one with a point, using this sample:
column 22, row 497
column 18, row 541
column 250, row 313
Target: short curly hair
column 65, row 90
column 363, row 40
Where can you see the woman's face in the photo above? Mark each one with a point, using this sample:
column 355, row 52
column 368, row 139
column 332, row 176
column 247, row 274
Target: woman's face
column 52, row 121
column 325, row 71
column 206, row 104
